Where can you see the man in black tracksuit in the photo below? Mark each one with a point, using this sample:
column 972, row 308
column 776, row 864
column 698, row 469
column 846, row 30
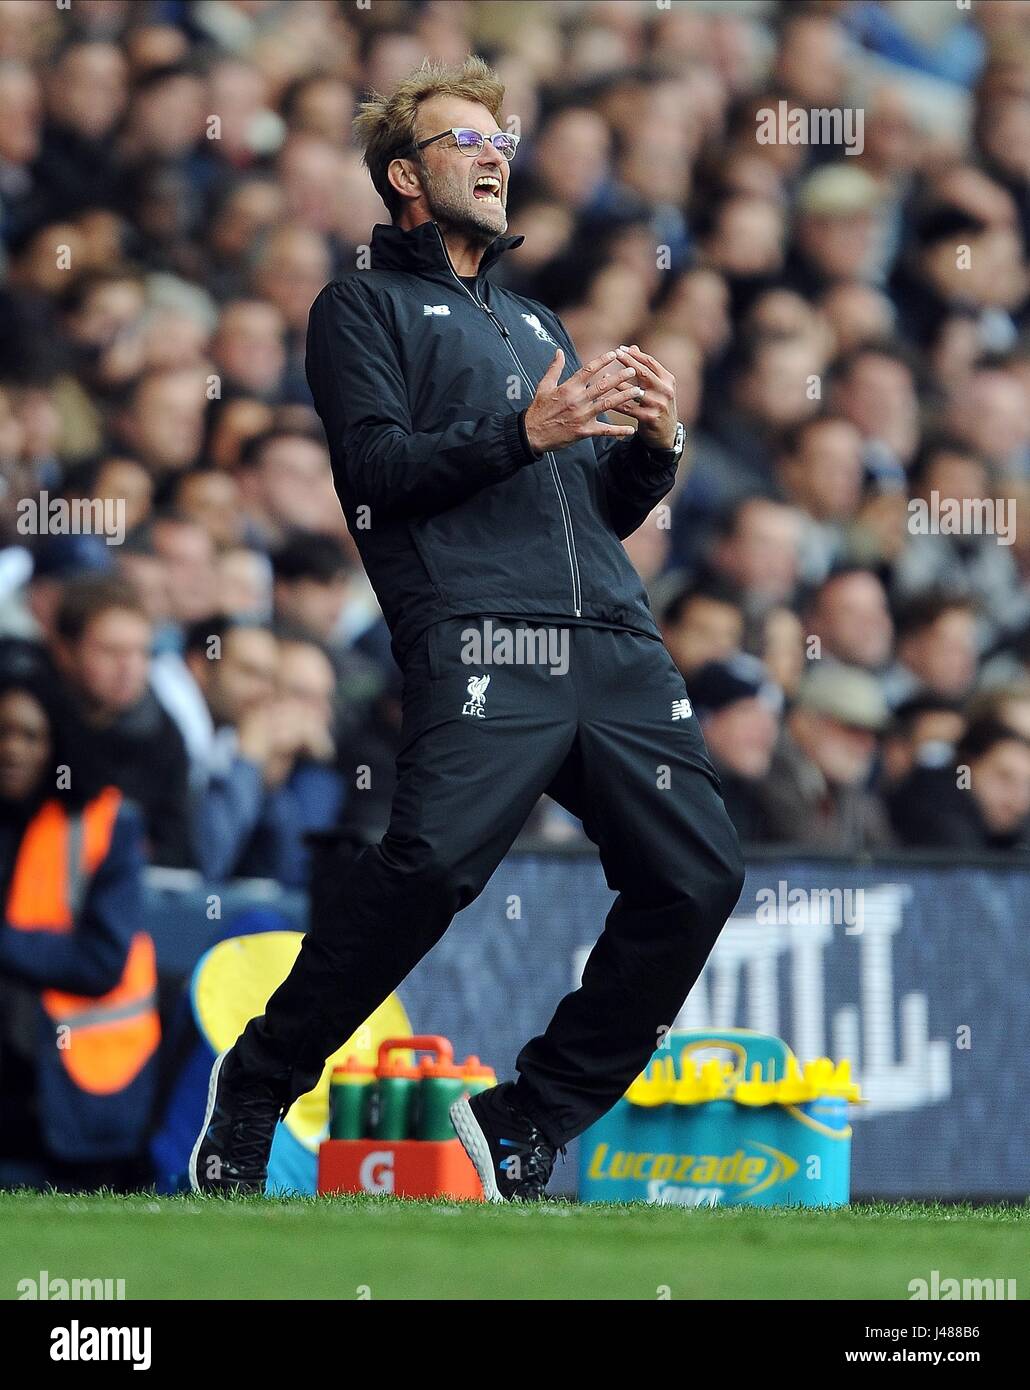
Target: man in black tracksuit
column 486, row 497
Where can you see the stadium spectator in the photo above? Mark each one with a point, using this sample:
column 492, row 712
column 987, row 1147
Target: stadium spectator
column 114, row 726
column 856, row 313
column 163, row 422
column 21, row 110
column 772, row 389
column 990, row 414
column 31, row 611
column 259, row 768
column 697, row 305
column 936, row 649
column 187, row 551
column 739, row 708
column 103, row 319
column 245, row 211
column 648, row 546
column 314, row 578
column 116, row 479
column 311, row 581
column 285, row 485
column 875, row 388
column 816, row 790
column 243, row 583
column 923, row 732
column 759, row 551
column 931, row 280
column 227, row 670
column 811, row 63
column 849, row 615
column 248, row 348
column 821, row 474
column 210, row 498
column 148, row 574
column 571, row 156
column 75, row 1115
column 838, row 231
column 1008, row 704
column 232, row 422
column 703, row 622
column 291, row 267
column 971, row 563
column 782, row 647
column 86, row 95
column 743, row 239
column 981, row 801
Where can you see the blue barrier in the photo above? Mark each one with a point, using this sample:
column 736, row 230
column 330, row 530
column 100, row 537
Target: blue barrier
column 917, row 972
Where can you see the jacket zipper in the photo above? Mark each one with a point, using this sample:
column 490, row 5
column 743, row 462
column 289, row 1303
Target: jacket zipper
column 563, row 502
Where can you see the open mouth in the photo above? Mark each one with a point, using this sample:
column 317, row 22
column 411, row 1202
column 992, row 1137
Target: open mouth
column 487, row 189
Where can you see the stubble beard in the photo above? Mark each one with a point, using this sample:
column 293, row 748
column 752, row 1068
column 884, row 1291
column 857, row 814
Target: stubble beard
column 460, row 214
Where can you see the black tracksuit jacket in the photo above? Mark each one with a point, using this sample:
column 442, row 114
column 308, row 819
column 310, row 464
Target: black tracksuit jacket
column 420, row 384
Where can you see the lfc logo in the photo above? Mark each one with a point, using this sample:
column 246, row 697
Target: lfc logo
column 475, row 705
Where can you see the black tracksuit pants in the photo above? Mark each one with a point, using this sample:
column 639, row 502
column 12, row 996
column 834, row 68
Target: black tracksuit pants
column 613, row 740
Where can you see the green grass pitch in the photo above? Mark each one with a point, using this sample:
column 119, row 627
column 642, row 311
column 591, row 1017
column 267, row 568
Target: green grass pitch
column 384, row 1248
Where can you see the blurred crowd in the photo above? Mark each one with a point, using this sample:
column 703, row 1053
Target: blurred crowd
column 848, row 328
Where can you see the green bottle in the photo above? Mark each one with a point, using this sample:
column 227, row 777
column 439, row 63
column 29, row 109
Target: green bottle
column 392, row 1109
column 441, row 1085
column 350, row 1088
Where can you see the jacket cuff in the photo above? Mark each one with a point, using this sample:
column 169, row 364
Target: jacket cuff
column 651, row 464
column 523, row 439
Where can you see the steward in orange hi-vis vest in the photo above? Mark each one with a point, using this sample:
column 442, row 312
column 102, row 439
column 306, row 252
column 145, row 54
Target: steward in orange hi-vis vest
column 72, row 928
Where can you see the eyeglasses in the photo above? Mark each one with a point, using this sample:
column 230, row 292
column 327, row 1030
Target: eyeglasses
column 471, row 142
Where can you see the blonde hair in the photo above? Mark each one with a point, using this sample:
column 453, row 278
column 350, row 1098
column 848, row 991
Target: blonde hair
column 384, row 126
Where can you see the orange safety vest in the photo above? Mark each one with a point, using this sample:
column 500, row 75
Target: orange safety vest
column 111, row 1038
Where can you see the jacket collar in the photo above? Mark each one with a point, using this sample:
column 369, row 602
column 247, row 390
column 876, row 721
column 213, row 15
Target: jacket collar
column 421, row 251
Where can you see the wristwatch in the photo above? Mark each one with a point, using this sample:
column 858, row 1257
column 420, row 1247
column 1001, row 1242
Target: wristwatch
column 673, row 455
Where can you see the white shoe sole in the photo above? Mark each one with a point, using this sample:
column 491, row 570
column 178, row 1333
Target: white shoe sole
column 473, row 1141
column 212, row 1087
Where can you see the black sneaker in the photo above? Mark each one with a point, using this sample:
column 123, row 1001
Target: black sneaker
column 512, row 1157
column 232, row 1148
